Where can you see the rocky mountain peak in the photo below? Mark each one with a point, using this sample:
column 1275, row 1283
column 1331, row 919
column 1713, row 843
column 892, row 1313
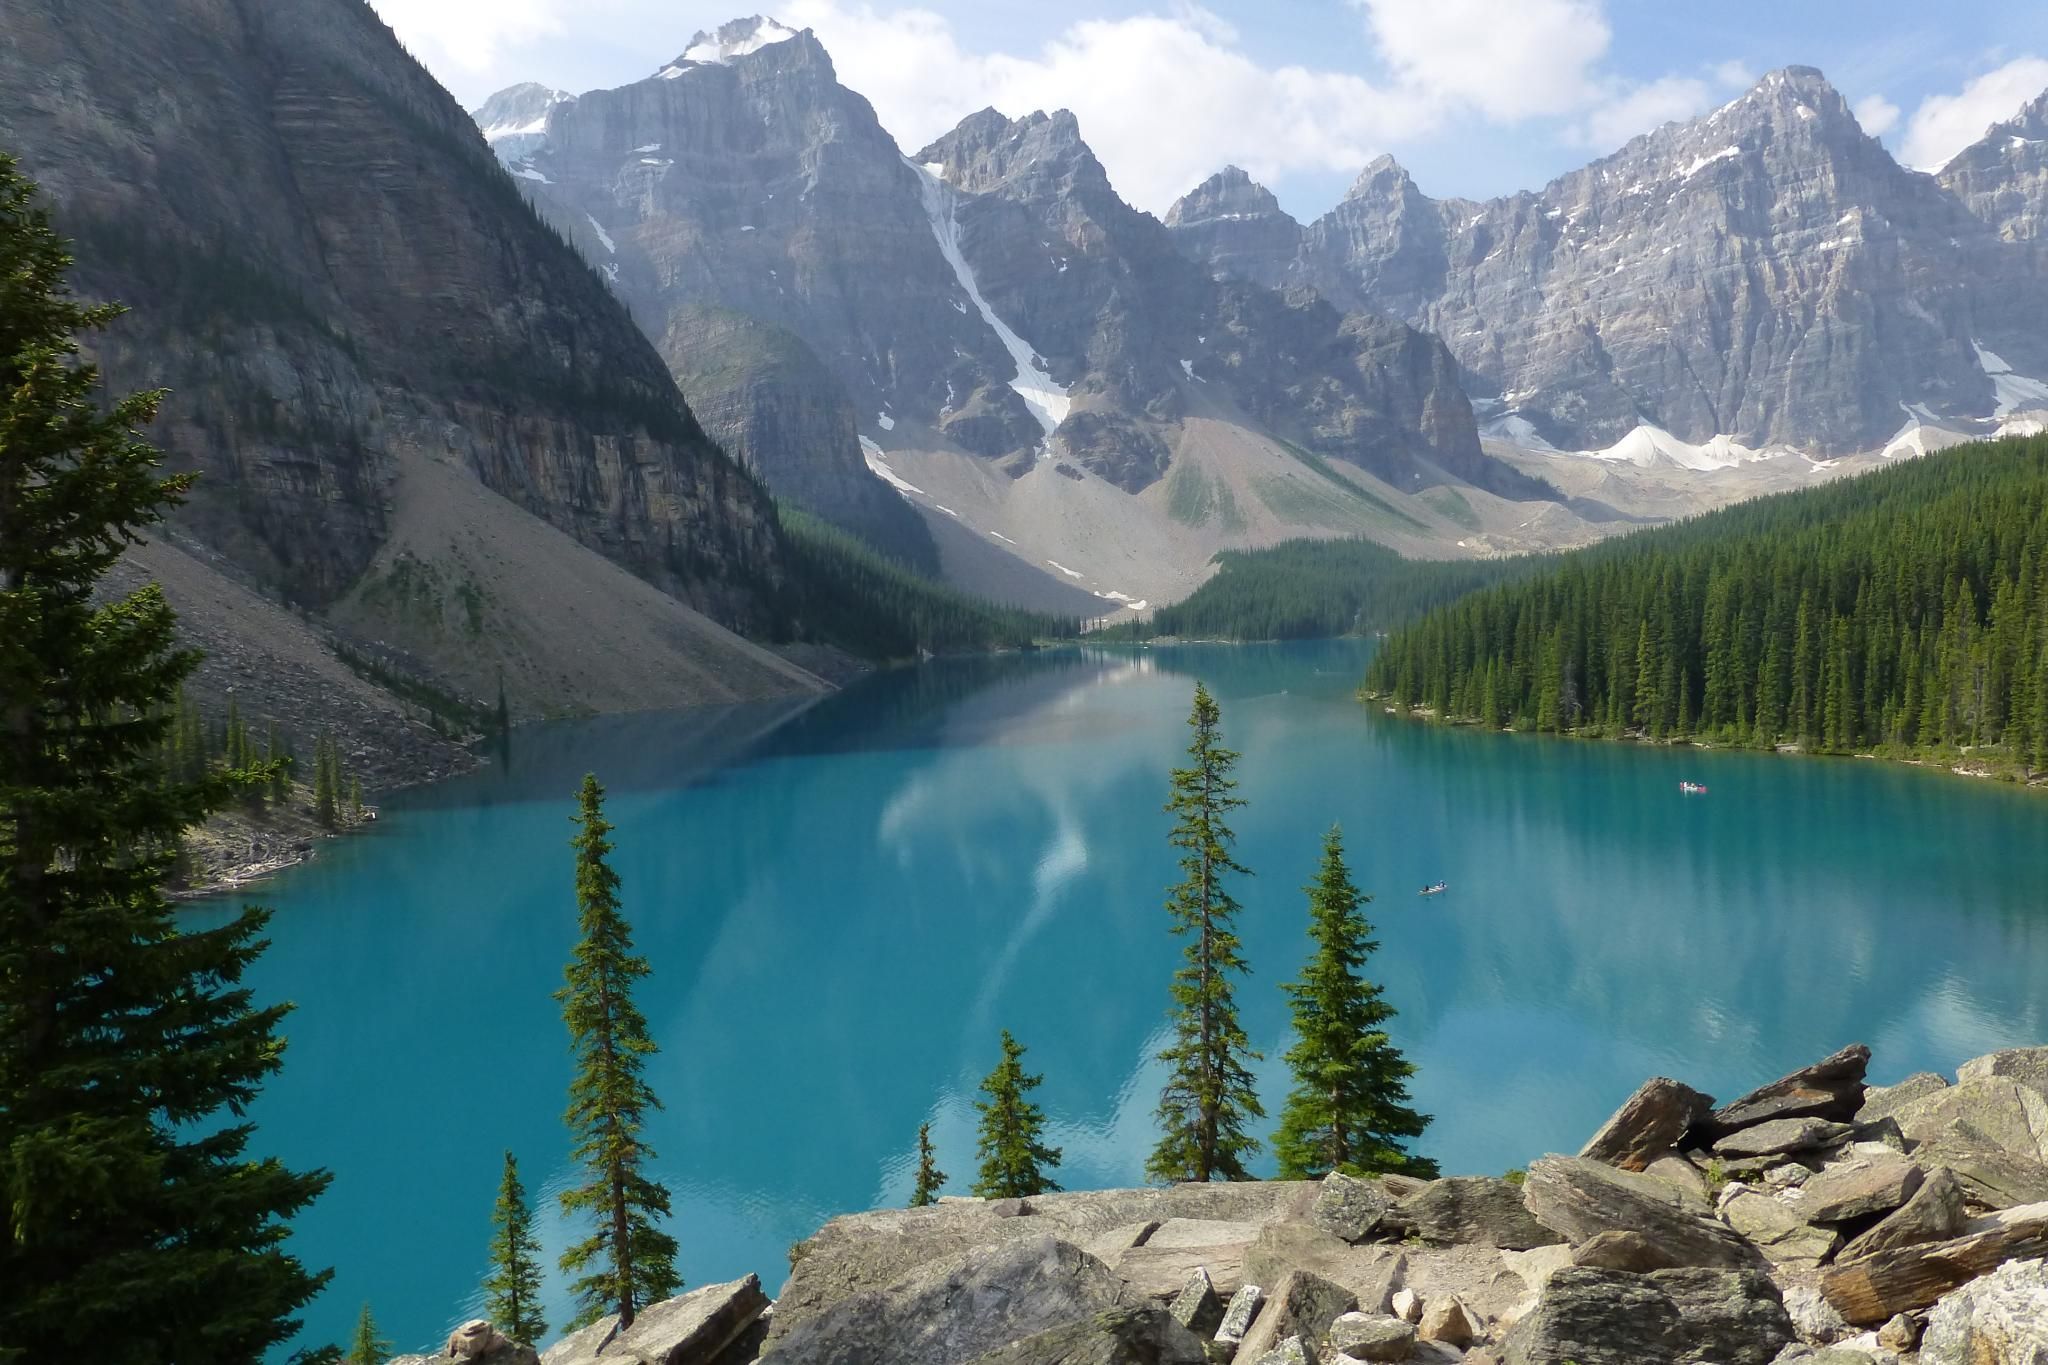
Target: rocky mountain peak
column 1381, row 175
column 515, row 120
column 2003, row 177
column 1040, row 151
column 730, row 41
column 1228, row 194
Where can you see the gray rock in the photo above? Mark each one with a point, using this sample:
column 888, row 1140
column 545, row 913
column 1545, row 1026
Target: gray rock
column 1621, row 1250
column 1349, row 1207
column 1239, row 1313
column 1597, row 1317
column 1872, row 1287
column 1830, row 1089
column 1582, row 1199
column 1372, row 1336
column 1649, row 1124
column 1202, row 1232
column 1161, row 1272
column 1197, row 1307
column 2027, row 1065
column 1883, row 1101
column 1448, row 1320
column 1292, row 1351
column 1731, row 1317
column 1371, row 1272
column 1901, row 1333
column 1406, row 1305
column 959, row 1308
column 1303, row 1304
column 2012, row 1116
column 690, row 1329
column 1775, row 1137
column 2001, row 1319
column 1934, row 1213
column 1118, row 1336
column 1475, row 1211
column 1857, row 1189
column 1813, row 1317
column 1680, row 1173
column 1991, row 1177
column 1784, row 1236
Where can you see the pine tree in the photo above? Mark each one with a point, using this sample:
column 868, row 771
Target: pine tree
column 137, row 1228
column 326, row 796
column 366, row 1347
column 1014, row 1160
column 1209, row 1097
column 930, row 1179
column 1348, row 1110
column 626, row 1263
column 355, row 800
column 512, row 1290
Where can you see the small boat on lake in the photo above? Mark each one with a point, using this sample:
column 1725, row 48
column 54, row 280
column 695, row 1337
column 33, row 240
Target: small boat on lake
column 1437, row 889
column 1693, row 788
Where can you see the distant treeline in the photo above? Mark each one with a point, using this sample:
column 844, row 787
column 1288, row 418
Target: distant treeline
column 1315, row 589
column 1901, row 611
column 843, row 591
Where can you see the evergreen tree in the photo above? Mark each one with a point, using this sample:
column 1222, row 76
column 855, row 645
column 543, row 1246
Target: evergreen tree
column 1014, row 1160
column 512, row 1290
column 930, row 1179
column 326, row 796
column 1348, row 1110
column 366, row 1347
column 137, row 1228
column 626, row 1262
column 1209, row 1097
column 355, row 800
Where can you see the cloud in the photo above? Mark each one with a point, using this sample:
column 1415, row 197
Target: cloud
column 1876, row 114
column 1638, row 109
column 1734, row 75
column 1506, row 61
column 472, row 34
column 1945, row 124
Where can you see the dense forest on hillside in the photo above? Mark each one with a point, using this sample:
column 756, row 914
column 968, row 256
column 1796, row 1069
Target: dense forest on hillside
column 1902, row 611
column 846, row 593
column 1315, row 589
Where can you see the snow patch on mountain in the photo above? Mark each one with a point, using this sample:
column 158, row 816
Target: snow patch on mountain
column 716, row 49
column 2015, row 392
column 872, row 453
column 1042, row 394
column 1648, row 446
column 1725, row 154
column 603, row 236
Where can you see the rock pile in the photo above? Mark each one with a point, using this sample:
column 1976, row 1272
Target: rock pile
column 1815, row 1219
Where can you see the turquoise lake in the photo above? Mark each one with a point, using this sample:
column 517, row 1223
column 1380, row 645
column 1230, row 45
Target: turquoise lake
column 843, row 903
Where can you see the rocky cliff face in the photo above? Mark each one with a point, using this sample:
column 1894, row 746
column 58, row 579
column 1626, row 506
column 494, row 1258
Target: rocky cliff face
column 515, row 120
column 990, row 297
column 333, row 276
column 1766, row 273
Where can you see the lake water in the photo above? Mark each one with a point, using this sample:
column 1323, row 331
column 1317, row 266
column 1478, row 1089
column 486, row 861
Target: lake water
column 843, row 904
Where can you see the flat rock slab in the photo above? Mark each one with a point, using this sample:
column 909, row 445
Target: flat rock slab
column 1934, row 1213
column 1161, row 1272
column 1473, row 1211
column 2001, row 1319
column 1201, row 1232
column 1991, row 1177
column 1621, row 1250
column 1858, row 1188
column 1582, row 1199
column 1302, row 1304
column 1831, row 1088
column 1776, row 1137
column 1649, row 1124
column 2027, row 1065
column 1120, row 1336
column 1870, row 1289
column 2010, row 1116
column 1372, row 1336
column 1371, row 1273
column 690, row 1329
column 958, row 1309
column 1783, row 1236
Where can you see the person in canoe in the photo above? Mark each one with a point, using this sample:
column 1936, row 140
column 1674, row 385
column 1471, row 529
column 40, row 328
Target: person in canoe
column 1436, row 889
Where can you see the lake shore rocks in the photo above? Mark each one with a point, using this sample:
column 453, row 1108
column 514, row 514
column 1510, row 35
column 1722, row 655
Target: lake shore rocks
column 1815, row 1219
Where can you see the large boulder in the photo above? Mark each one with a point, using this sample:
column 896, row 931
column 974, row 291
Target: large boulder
column 690, row 1329
column 1784, row 1237
column 2001, row 1319
column 1883, row 1101
column 1858, row 1188
column 1831, row 1088
column 1473, row 1210
column 955, row 1310
column 2027, row 1065
column 1303, row 1304
column 1776, row 1137
column 1871, row 1288
column 1991, row 1177
column 1161, row 1272
column 1582, row 1199
column 1669, row 1317
column 1116, row 1336
column 2011, row 1116
column 1620, row 1251
column 1935, row 1213
column 1730, row 1317
column 1649, row 1124
column 1350, row 1207
column 1372, row 1336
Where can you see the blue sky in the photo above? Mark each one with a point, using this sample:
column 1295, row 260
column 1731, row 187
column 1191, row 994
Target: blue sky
column 1475, row 97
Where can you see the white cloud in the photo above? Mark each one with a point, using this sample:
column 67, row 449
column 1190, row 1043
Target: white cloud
column 1637, row 109
column 1876, row 114
column 1945, row 124
column 1735, row 75
column 470, row 33
column 1506, row 61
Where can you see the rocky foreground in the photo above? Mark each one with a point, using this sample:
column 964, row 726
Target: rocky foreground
column 1815, row 1219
